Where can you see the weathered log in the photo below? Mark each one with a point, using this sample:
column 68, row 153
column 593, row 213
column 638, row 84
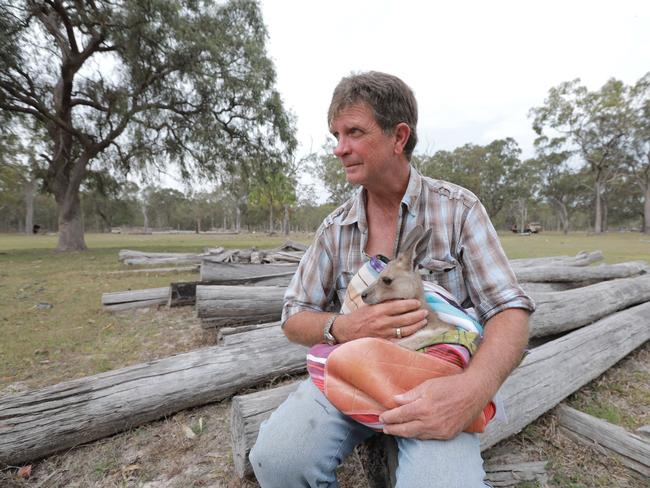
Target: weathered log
column 514, row 473
column 235, row 274
column 150, row 258
column 175, row 269
column 227, row 336
column 292, row 246
column 589, row 274
column 583, row 258
column 231, row 305
column 124, row 300
column 537, row 288
column 182, row 294
column 37, row 423
column 632, row 450
column 566, row 310
column 547, row 375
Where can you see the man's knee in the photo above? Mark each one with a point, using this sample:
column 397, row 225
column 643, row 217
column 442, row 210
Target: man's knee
column 277, row 458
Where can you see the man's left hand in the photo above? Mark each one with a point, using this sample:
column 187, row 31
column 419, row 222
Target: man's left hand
column 439, row 408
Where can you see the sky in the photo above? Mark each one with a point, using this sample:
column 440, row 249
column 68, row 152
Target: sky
column 476, row 67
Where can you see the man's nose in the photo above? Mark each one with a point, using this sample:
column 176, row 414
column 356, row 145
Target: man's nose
column 341, row 147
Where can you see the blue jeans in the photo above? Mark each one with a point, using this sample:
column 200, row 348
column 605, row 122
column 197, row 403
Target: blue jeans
column 306, row 438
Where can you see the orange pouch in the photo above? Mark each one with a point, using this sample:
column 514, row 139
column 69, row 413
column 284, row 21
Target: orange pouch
column 362, row 377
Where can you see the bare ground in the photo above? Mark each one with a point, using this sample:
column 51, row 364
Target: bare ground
column 192, row 448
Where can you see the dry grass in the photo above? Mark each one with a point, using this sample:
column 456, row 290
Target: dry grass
column 76, row 338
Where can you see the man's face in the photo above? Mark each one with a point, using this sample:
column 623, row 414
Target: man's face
column 366, row 151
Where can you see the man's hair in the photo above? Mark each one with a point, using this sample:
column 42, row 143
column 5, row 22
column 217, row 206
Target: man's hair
column 391, row 99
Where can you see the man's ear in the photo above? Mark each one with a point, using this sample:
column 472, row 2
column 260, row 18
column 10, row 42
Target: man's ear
column 402, row 134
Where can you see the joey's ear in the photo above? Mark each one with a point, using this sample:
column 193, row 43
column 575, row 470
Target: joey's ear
column 411, row 239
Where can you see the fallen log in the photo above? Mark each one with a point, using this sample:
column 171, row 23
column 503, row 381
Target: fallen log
column 227, row 336
column 588, row 274
column 38, row 423
column 134, row 258
column 231, row 305
column 234, row 274
column 125, row 300
column 512, row 474
column 566, row 310
column 632, row 450
column 181, row 294
column 583, row 258
column 547, row 375
column 175, row 269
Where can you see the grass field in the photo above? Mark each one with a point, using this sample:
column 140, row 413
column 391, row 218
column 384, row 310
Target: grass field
column 53, row 329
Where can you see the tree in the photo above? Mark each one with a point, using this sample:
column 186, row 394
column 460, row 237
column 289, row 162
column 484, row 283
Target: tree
column 274, row 187
column 592, row 125
column 495, row 172
column 130, row 85
column 329, row 170
column 637, row 147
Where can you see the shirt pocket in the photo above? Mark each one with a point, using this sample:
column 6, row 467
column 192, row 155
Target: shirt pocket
column 444, row 272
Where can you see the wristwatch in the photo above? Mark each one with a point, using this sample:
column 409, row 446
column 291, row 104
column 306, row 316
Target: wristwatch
column 327, row 330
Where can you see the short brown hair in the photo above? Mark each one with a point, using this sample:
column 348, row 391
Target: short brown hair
column 391, row 99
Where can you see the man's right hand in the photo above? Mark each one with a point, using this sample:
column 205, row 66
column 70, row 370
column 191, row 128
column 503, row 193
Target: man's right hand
column 381, row 320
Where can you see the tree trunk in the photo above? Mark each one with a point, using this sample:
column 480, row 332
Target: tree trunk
column 285, row 221
column 30, row 191
column 237, row 219
column 598, row 219
column 271, row 230
column 646, row 210
column 146, row 217
column 71, row 231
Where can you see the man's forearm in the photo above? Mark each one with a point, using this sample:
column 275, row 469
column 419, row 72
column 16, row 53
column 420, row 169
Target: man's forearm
column 504, row 341
column 306, row 327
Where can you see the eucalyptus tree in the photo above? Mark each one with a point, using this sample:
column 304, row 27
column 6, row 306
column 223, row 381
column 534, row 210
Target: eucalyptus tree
column 494, row 172
column 590, row 124
column 131, row 84
column 329, row 170
column 638, row 143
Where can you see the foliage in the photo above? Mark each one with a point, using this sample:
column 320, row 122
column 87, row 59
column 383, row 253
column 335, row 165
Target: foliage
column 136, row 85
column 495, row 172
column 329, row 170
column 591, row 125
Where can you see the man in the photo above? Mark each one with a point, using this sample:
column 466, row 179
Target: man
column 373, row 117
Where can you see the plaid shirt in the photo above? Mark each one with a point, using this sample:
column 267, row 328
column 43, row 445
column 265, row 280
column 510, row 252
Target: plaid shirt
column 463, row 244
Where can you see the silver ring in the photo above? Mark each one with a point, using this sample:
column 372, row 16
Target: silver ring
column 398, row 333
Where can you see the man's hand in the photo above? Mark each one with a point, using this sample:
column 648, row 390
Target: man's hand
column 439, row 408
column 381, row 321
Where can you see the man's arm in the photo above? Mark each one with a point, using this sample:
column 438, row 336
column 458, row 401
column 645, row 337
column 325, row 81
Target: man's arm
column 380, row 320
column 440, row 408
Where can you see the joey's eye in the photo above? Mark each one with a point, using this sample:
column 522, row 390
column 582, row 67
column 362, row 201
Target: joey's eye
column 387, row 280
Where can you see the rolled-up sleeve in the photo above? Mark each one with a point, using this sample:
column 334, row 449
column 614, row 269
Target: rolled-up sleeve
column 312, row 286
column 491, row 283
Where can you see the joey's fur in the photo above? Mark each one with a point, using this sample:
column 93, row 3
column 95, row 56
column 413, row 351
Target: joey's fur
column 399, row 281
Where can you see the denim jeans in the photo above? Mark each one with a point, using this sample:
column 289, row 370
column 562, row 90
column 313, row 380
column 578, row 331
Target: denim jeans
column 306, row 438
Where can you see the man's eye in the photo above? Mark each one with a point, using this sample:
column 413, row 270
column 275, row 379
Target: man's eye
column 387, row 280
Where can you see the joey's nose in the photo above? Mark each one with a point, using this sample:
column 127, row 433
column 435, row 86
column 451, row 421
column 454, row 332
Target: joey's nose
column 364, row 295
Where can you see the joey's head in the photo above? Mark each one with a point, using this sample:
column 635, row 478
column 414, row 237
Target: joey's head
column 397, row 281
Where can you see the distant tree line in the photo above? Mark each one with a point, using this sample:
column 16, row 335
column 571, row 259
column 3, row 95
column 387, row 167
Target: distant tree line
column 97, row 95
